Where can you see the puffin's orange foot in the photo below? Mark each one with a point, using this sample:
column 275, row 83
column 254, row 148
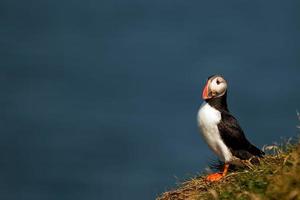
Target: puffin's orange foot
column 214, row 177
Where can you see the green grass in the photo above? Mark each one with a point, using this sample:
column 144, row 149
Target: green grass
column 277, row 176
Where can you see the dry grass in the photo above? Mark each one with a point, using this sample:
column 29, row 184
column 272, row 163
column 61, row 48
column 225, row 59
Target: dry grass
column 276, row 177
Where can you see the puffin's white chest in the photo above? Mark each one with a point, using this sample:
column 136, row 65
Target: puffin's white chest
column 208, row 120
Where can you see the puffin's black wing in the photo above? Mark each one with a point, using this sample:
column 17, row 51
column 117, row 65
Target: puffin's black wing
column 234, row 138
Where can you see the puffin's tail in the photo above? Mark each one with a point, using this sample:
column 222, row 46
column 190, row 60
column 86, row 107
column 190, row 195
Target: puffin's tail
column 255, row 151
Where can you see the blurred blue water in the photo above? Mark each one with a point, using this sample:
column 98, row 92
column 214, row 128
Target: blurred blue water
column 99, row 98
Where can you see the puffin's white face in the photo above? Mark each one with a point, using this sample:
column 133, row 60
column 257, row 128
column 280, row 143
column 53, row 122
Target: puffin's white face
column 216, row 86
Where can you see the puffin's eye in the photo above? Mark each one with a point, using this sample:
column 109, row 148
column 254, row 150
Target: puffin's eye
column 218, row 82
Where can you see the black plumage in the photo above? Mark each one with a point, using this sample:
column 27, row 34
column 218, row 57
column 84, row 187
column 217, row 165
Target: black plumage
column 231, row 132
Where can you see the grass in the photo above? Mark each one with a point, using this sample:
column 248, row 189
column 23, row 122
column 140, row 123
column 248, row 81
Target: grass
column 277, row 176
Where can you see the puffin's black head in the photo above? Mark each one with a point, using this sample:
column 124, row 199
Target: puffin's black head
column 216, row 86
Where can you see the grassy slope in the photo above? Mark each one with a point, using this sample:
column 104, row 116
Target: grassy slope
column 276, row 177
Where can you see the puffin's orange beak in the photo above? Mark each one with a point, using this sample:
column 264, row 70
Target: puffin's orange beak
column 205, row 93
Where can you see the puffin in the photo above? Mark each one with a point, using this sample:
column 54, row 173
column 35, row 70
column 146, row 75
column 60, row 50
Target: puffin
column 220, row 129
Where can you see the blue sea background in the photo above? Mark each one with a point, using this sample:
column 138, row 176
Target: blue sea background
column 99, row 98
